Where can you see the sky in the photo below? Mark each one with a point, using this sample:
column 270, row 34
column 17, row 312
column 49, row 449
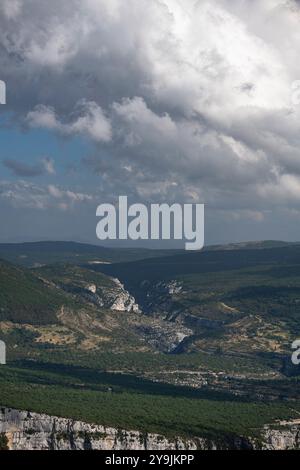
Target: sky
column 161, row 100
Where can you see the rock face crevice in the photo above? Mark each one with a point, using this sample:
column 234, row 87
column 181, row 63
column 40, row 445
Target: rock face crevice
column 24, row 430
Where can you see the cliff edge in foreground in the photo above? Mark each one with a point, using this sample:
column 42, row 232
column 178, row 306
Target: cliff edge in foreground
column 24, row 430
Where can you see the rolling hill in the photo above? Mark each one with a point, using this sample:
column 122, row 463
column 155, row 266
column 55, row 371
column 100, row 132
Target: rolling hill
column 43, row 253
column 36, row 254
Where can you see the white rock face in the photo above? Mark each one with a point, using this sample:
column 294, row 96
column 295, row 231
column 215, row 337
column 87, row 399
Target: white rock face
column 123, row 300
column 32, row 431
column 114, row 297
column 174, row 287
column 283, row 439
column 92, row 288
column 25, row 430
column 2, row 353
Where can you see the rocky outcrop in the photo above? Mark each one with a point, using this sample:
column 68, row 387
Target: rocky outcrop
column 122, row 300
column 162, row 335
column 285, row 436
column 114, row 297
column 159, row 298
column 24, row 430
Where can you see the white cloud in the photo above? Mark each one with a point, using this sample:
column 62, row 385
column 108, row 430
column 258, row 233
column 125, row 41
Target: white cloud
column 24, row 194
column 44, row 117
column 285, row 191
column 68, row 195
column 192, row 93
column 49, row 165
column 144, row 124
column 91, row 122
column 11, row 8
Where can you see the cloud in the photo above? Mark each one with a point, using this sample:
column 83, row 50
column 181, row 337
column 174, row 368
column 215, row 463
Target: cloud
column 49, row 166
column 11, row 8
column 27, row 195
column 91, row 121
column 68, row 195
column 23, row 169
column 180, row 99
column 22, row 194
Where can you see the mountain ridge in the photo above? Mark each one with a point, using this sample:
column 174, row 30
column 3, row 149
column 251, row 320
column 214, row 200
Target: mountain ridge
column 34, row 254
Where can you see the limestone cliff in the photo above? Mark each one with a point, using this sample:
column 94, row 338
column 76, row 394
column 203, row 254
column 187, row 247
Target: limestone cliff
column 24, row 430
column 113, row 296
column 32, row 431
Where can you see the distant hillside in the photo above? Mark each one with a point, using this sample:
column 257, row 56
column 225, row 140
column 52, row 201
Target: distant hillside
column 41, row 253
column 38, row 254
column 24, row 298
column 245, row 300
column 68, row 308
column 264, row 244
column 203, row 262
